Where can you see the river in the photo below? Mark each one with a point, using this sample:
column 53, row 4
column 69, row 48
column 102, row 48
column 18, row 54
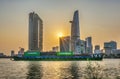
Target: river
column 106, row 69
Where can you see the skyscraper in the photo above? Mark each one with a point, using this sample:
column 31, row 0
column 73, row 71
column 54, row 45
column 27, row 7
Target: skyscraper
column 65, row 44
column 97, row 49
column 89, row 45
column 109, row 46
column 82, row 46
column 75, row 33
column 35, row 32
column 113, row 44
column 12, row 53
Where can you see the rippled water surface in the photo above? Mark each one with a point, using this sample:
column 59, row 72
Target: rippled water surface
column 107, row 69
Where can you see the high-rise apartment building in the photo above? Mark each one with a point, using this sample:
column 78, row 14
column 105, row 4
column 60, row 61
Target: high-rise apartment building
column 35, row 32
column 89, row 47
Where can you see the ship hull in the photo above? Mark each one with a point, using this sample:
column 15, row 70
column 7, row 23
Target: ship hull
column 57, row 58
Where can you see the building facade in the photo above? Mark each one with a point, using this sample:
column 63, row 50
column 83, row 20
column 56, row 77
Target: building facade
column 82, row 46
column 97, row 49
column 109, row 46
column 89, row 47
column 75, row 32
column 35, row 32
column 12, row 53
column 64, row 44
column 55, row 49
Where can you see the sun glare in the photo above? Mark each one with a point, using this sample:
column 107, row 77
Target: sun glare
column 60, row 34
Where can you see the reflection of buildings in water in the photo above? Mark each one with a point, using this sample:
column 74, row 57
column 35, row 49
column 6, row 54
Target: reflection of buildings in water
column 74, row 70
column 70, row 72
column 34, row 71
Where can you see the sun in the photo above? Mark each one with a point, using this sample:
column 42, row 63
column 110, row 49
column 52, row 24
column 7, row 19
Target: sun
column 60, row 34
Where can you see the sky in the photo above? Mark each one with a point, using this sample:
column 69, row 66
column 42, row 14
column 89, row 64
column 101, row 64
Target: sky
column 98, row 18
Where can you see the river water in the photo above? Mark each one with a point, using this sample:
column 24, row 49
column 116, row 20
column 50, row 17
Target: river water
column 106, row 69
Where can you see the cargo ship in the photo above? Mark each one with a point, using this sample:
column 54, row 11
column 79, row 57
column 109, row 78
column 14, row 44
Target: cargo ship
column 56, row 56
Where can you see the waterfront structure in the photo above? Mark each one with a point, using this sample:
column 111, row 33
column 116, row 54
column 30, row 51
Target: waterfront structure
column 12, row 53
column 113, row 44
column 35, row 32
column 109, row 46
column 89, row 47
column 55, row 49
column 21, row 50
column 2, row 55
column 97, row 49
column 75, row 33
column 64, row 44
column 82, row 46
column 116, row 53
column 55, row 56
column 77, row 47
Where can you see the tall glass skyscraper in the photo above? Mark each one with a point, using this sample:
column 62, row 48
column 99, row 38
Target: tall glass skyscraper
column 89, row 47
column 35, row 32
column 75, row 33
column 65, row 44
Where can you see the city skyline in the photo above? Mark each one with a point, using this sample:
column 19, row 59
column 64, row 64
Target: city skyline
column 99, row 19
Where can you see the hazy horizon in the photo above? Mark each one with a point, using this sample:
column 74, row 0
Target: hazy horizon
column 98, row 18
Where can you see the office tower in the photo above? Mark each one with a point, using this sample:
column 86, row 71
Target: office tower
column 21, row 50
column 12, row 53
column 75, row 32
column 55, row 49
column 89, row 45
column 116, row 52
column 65, row 44
column 77, row 47
column 2, row 55
column 82, row 46
column 97, row 49
column 109, row 46
column 113, row 44
column 35, row 32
